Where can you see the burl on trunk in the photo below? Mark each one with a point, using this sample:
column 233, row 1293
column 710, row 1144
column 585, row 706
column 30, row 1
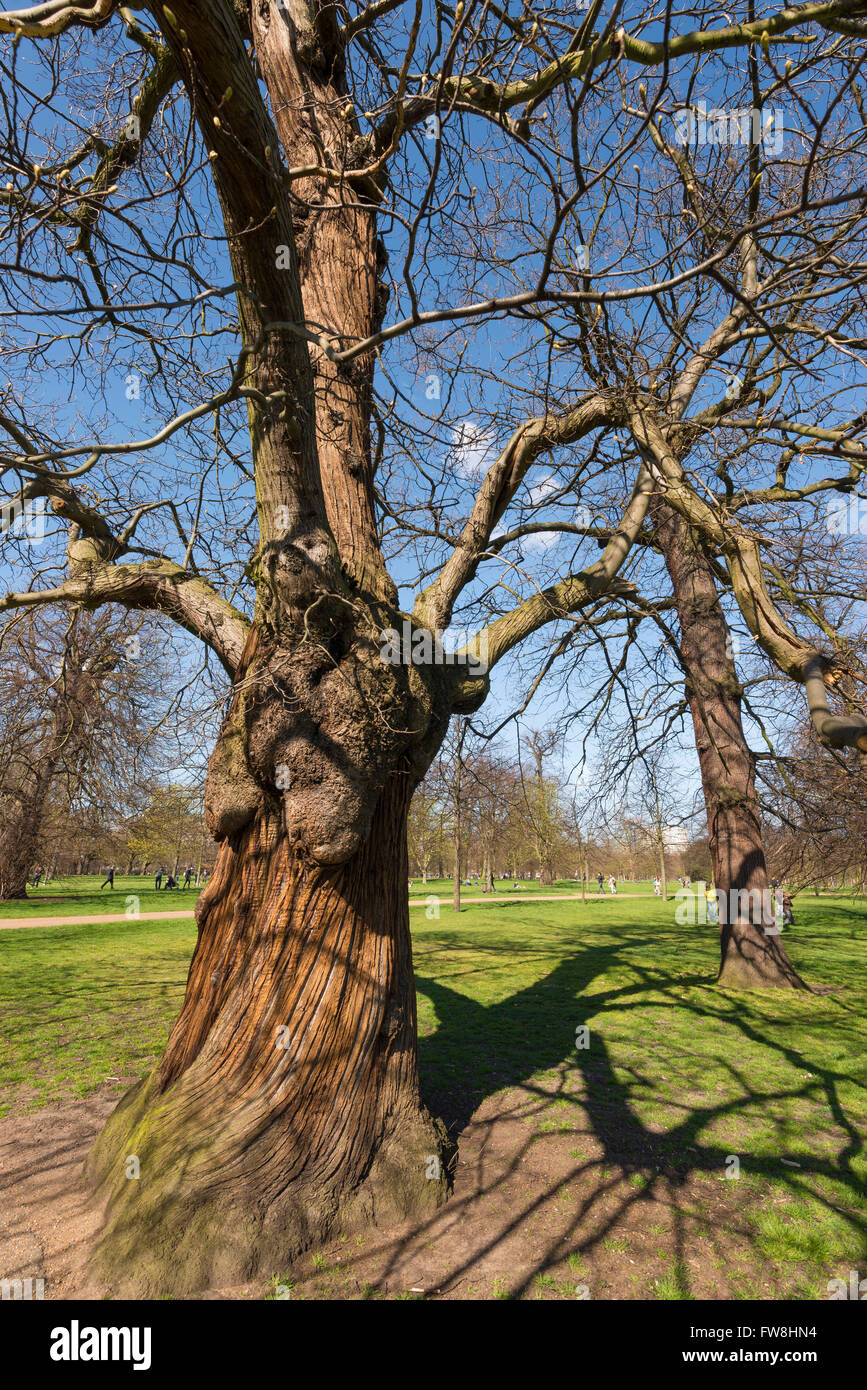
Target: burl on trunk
column 286, row 1105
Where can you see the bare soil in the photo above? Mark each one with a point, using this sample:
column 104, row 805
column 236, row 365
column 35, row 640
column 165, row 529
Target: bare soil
column 533, row 1214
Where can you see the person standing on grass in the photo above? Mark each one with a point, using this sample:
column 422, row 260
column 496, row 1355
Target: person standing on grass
column 657, row 887
column 108, row 881
column 788, row 915
column 187, row 876
column 612, row 884
column 712, row 906
column 36, row 877
column 599, row 881
column 158, row 878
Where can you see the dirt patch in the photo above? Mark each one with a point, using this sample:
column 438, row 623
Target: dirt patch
column 540, row 1209
column 45, row 1225
column 94, row 919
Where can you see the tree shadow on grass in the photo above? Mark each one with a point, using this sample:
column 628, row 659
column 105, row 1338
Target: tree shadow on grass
column 479, row 1050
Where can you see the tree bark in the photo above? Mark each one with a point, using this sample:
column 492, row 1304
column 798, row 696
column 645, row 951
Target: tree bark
column 286, row 1105
column 751, row 955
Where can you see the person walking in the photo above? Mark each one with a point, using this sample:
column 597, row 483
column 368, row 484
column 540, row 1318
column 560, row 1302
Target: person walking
column 657, row 886
column 788, row 915
column 187, row 876
column 712, row 904
column 612, row 884
column 599, row 881
column 36, row 877
column 108, row 881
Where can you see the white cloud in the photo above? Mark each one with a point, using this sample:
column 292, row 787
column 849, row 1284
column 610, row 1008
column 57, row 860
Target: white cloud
column 540, row 541
column 539, row 491
column 472, row 449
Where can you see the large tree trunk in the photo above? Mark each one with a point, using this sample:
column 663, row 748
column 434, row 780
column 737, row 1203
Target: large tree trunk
column 286, row 1105
column 751, row 955
column 18, row 847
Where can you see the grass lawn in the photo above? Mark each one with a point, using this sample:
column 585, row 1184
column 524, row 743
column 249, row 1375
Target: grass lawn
column 444, row 887
column 677, row 1075
column 81, row 896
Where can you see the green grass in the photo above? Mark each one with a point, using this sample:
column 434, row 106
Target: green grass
column 505, row 887
column 81, row 1004
column 81, row 896
column 678, row 1075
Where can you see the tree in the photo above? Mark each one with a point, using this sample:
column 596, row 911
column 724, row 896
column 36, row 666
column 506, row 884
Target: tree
column 287, row 1099
column 542, row 800
column 168, row 831
column 816, row 805
column 748, row 955
column 72, row 701
column 424, row 828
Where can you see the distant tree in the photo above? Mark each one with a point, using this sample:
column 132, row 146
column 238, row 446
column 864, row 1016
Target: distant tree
column 74, row 708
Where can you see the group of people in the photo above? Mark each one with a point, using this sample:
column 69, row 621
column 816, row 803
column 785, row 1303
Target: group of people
column 612, row 882
column 782, row 903
column 172, row 882
column 782, row 899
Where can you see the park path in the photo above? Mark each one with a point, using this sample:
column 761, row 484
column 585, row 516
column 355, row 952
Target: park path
column 88, row 919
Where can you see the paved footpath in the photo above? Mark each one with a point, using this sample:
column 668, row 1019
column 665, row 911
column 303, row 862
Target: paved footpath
column 444, row 898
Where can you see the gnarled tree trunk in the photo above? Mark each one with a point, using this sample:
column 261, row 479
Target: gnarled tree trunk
column 286, row 1105
column 751, row 954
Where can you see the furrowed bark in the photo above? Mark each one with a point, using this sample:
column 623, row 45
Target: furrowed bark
column 340, row 260
column 286, row 1106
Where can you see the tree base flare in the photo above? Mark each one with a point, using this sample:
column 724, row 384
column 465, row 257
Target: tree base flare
column 286, row 1106
column 752, row 959
column 214, row 1215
